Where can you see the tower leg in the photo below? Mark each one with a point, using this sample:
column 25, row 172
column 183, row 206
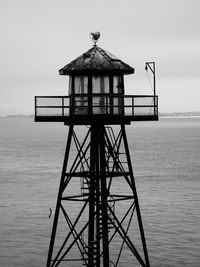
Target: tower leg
column 92, row 198
column 104, row 197
column 136, row 197
column 61, row 188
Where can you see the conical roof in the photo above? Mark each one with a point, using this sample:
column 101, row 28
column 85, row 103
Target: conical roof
column 96, row 60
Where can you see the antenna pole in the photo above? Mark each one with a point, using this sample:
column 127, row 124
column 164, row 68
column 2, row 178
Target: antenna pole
column 152, row 67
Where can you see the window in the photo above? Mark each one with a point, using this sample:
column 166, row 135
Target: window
column 81, row 85
column 70, row 85
column 117, row 85
column 100, row 84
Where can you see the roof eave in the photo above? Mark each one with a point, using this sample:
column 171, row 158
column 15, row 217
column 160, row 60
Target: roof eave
column 96, row 71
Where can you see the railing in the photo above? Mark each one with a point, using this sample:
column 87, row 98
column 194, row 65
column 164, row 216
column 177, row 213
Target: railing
column 96, row 104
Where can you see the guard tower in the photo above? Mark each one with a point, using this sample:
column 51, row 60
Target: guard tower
column 97, row 219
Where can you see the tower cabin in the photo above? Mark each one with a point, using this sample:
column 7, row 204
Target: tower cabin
column 96, row 94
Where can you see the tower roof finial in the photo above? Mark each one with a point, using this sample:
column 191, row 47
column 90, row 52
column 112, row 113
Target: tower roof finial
column 94, row 36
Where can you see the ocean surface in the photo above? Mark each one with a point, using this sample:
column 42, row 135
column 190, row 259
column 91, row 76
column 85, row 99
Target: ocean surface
column 166, row 164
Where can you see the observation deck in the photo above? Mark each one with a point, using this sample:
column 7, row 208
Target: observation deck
column 86, row 109
column 96, row 93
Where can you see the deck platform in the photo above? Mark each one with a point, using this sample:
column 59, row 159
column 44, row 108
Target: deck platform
column 100, row 109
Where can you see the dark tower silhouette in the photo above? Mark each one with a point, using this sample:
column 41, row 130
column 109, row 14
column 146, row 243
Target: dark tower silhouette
column 97, row 219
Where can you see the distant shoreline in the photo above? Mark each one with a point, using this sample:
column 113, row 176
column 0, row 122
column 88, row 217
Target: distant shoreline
column 170, row 114
column 17, row 116
column 180, row 114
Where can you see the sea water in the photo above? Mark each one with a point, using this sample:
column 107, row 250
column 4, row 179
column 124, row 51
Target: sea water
column 166, row 163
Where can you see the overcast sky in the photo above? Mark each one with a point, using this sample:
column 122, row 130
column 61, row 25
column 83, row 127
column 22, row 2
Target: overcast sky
column 38, row 37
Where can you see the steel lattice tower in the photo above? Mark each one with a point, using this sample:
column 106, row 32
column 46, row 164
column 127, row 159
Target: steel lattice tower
column 97, row 217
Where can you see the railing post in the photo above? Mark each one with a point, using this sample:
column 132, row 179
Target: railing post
column 154, row 103
column 63, row 106
column 35, row 107
column 106, row 105
column 122, row 105
column 72, row 105
column 154, row 85
column 157, row 105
